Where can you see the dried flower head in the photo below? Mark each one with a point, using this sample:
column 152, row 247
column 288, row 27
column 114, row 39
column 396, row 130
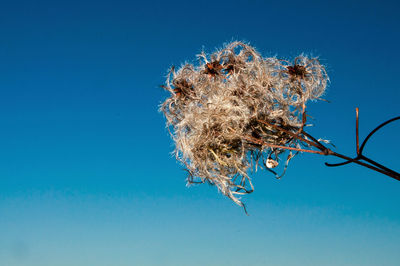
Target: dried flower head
column 225, row 112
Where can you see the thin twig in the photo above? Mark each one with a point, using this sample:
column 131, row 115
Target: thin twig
column 263, row 143
column 321, row 146
column 376, row 129
column 289, row 133
column 379, row 165
column 326, row 151
column 372, row 164
column 395, row 175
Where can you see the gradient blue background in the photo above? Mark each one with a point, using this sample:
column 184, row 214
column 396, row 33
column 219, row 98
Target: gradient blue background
column 86, row 174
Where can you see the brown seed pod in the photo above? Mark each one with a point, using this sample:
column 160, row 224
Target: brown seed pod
column 297, row 71
column 213, row 69
column 182, row 88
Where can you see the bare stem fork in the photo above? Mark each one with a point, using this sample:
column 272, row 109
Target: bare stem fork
column 323, row 150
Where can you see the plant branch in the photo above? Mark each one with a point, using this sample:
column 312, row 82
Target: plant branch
column 323, row 150
column 263, row 143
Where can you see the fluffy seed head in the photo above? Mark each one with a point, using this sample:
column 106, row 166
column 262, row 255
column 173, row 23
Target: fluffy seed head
column 216, row 110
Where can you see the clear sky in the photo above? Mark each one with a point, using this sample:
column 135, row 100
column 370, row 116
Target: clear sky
column 86, row 172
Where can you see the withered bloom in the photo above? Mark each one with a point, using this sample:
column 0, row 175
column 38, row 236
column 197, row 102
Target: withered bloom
column 236, row 105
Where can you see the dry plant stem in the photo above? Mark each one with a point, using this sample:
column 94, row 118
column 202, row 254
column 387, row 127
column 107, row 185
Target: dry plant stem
column 360, row 156
column 326, row 151
column 290, row 133
column 397, row 175
column 387, row 172
column 260, row 142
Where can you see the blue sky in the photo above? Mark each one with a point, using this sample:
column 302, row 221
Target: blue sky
column 86, row 172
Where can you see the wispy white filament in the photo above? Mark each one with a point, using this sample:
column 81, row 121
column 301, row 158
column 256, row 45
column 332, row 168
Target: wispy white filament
column 215, row 109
